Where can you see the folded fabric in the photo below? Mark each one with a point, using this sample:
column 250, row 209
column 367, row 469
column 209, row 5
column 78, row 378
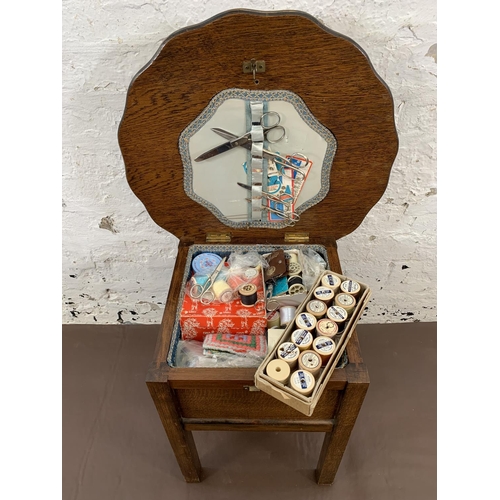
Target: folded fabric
column 234, row 343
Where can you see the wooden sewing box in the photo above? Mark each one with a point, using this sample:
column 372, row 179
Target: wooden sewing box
column 337, row 82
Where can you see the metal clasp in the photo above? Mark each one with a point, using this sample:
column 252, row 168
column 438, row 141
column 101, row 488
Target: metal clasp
column 253, row 66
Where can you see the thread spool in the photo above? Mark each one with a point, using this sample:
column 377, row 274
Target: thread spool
column 325, row 347
column 286, row 314
column 291, row 257
column 326, row 328
column 248, row 294
column 222, row 291
column 351, row 287
column 337, row 314
column 348, row 302
column 317, row 308
column 273, row 319
column 288, row 352
column 253, row 276
column 199, row 279
column 295, row 285
column 294, row 268
column 310, row 361
column 302, row 339
column 302, row 382
column 331, row 281
column 306, row 321
column 324, row 294
column 278, row 370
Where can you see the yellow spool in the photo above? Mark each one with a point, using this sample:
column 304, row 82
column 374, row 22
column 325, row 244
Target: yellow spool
column 278, row 370
column 222, row 291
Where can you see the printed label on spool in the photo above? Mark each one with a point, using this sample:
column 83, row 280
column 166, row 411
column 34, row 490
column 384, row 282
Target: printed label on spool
column 324, row 346
column 310, row 361
column 326, row 327
column 323, row 293
column 350, row 286
column 337, row 314
column 316, row 308
column 305, row 321
column 302, row 338
column 288, row 351
column 331, row 281
column 278, row 370
column 302, row 381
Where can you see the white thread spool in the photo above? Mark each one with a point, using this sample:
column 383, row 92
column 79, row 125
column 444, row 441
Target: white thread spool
column 331, row 281
column 305, row 321
column 351, row 287
column 289, row 353
column 325, row 347
column 292, row 257
column 302, row 339
column 302, row 382
column 348, row 302
column 286, row 314
column 310, row 361
column 317, row 308
column 326, row 328
column 278, row 370
column 324, row 294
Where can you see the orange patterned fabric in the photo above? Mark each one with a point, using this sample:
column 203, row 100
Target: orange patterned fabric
column 198, row 320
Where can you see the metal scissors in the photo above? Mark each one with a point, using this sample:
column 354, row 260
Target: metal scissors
column 204, row 292
column 245, row 140
column 296, row 163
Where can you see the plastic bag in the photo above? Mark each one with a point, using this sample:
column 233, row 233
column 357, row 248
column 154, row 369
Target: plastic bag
column 312, row 266
column 190, row 355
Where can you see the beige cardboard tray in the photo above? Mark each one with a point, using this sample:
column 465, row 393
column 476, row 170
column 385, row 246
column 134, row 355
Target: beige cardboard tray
column 286, row 394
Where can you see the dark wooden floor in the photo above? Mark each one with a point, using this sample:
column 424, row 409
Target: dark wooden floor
column 114, row 446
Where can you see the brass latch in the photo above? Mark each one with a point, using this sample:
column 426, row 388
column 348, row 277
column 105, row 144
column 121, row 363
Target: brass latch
column 296, row 237
column 254, row 67
column 218, row 237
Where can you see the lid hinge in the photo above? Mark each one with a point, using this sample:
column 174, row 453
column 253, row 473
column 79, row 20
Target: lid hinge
column 218, row 238
column 296, row 237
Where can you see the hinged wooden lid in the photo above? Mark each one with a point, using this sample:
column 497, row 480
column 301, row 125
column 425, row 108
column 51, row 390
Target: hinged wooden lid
column 327, row 70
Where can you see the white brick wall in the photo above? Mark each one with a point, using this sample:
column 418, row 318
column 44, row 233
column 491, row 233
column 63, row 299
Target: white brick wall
column 117, row 263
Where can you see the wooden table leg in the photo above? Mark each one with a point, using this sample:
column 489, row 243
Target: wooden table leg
column 182, row 441
column 335, row 442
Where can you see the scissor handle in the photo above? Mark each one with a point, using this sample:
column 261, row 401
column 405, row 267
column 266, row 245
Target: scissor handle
column 207, row 297
column 196, row 291
column 273, row 127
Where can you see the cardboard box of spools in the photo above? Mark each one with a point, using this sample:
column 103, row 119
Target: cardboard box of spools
column 296, row 372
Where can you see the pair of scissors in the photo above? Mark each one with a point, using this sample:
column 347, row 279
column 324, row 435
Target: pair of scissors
column 245, row 141
column 295, row 163
column 204, row 292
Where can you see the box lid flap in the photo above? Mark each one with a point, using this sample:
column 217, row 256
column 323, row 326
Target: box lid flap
column 330, row 73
